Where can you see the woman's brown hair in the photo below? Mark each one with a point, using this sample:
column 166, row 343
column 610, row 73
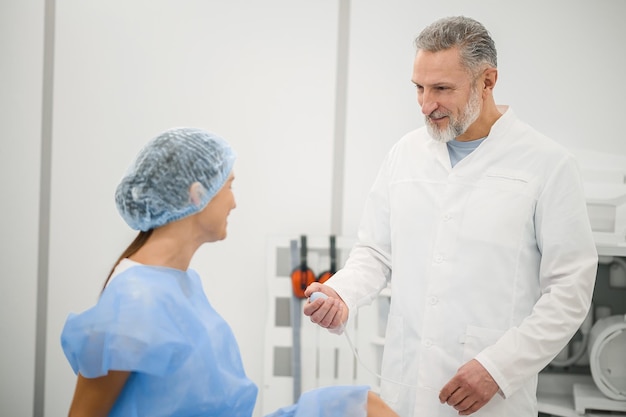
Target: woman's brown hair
column 139, row 241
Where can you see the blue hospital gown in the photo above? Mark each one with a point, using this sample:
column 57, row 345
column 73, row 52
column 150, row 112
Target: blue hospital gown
column 157, row 323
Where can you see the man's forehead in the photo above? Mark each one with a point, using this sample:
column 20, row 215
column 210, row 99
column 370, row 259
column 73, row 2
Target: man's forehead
column 434, row 68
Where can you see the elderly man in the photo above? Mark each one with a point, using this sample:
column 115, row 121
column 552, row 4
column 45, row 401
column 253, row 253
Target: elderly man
column 479, row 224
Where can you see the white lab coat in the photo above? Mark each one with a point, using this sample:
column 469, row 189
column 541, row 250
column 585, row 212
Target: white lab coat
column 493, row 259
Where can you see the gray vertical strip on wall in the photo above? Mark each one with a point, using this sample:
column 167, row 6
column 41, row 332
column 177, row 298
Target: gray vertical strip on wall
column 44, row 209
column 341, row 91
column 296, row 311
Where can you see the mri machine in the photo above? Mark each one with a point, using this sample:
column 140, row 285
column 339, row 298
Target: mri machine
column 589, row 377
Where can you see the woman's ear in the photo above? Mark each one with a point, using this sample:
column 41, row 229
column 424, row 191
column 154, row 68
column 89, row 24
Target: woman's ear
column 196, row 192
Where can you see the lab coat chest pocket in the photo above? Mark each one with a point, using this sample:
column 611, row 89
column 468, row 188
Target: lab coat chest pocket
column 499, row 209
column 476, row 339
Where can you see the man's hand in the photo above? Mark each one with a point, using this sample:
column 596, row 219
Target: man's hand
column 470, row 389
column 330, row 313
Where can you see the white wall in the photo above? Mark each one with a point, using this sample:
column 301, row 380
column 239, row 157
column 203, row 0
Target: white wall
column 263, row 76
column 21, row 61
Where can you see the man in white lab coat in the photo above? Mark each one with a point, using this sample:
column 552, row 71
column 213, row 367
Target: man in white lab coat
column 479, row 224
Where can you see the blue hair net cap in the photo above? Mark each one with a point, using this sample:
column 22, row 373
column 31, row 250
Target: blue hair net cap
column 156, row 188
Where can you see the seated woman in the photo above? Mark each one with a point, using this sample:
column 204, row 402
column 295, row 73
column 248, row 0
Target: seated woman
column 153, row 345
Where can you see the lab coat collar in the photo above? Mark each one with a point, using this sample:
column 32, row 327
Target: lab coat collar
column 498, row 130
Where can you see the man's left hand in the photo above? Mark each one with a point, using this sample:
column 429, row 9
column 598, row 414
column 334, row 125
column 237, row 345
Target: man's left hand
column 470, row 389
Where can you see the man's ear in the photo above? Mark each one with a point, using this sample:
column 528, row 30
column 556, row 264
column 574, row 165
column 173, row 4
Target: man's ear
column 196, row 192
column 490, row 77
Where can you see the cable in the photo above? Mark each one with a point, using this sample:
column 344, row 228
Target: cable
column 317, row 295
column 356, row 354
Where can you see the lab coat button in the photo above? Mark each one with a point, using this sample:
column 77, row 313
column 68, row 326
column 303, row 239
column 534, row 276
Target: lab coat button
column 428, row 343
column 439, row 259
column 432, row 300
column 446, row 217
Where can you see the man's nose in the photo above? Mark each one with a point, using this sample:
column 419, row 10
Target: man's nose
column 428, row 103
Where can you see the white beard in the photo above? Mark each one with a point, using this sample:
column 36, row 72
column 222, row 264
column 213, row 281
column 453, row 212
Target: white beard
column 455, row 127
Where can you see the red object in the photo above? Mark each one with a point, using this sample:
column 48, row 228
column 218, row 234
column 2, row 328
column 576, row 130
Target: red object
column 302, row 276
column 324, row 276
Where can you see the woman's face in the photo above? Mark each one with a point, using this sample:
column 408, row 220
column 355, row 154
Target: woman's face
column 215, row 214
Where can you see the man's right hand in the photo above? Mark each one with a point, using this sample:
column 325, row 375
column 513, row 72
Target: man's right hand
column 329, row 313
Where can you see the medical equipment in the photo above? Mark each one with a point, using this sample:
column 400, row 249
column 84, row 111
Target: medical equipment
column 324, row 276
column 592, row 375
column 606, row 391
column 302, row 276
column 607, row 356
column 317, row 295
column 589, row 373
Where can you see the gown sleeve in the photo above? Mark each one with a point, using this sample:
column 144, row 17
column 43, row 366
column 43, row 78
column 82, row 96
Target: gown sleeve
column 333, row 401
column 133, row 327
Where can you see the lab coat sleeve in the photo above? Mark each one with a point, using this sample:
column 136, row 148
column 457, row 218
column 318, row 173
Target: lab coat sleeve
column 567, row 277
column 368, row 267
